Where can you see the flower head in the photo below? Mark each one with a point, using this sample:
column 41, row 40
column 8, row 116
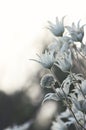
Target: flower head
column 76, row 32
column 64, row 62
column 46, row 59
column 58, row 28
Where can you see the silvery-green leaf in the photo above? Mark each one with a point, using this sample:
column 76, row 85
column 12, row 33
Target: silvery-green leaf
column 65, row 114
column 61, row 93
column 59, row 125
column 66, row 89
column 71, row 120
column 51, row 96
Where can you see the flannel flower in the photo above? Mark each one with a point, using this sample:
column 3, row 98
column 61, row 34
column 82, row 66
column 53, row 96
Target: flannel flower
column 76, row 32
column 46, row 59
column 58, row 28
column 64, row 61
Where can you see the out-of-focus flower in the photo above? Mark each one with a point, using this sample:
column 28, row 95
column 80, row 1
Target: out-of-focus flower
column 58, row 28
column 47, row 81
column 64, row 62
column 76, row 32
column 60, row 44
column 46, row 59
column 55, row 46
column 59, row 125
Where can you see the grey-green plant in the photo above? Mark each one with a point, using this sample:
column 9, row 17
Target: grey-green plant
column 64, row 55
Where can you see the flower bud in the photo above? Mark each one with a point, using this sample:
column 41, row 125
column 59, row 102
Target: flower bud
column 47, row 81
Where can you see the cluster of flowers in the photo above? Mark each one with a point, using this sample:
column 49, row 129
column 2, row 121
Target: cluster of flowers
column 61, row 54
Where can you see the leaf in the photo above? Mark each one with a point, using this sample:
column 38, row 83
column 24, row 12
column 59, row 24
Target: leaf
column 51, row 96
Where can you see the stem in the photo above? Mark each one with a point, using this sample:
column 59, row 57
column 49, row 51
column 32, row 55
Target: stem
column 56, row 91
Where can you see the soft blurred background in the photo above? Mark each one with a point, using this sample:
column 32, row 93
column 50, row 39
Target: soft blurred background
column 22, row 35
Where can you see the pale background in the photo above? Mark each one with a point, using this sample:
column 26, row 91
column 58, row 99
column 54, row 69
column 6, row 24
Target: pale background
column 21, row 25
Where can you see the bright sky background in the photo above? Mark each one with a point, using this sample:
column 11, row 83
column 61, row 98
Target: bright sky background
column 20, row 23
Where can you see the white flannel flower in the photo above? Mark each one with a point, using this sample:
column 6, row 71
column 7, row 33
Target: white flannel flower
column 64, row 62
column 46, row 59
column 76, row 32
column 58, row 28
